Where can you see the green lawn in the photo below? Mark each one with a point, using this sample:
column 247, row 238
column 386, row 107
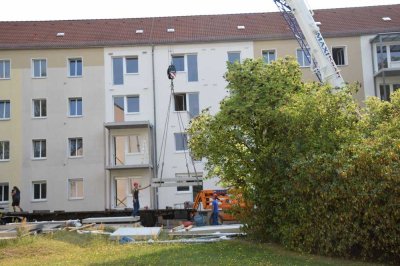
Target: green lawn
column 70, row 248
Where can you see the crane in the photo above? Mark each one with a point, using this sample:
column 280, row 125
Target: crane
column 301, row 22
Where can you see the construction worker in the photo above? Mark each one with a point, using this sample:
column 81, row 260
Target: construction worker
column 135, row 194
column 215, row 210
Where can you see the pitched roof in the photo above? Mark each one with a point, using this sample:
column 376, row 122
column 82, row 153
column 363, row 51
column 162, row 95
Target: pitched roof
column 338, row 22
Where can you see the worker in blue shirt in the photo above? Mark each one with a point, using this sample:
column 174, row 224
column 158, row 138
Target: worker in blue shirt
column 215, row 210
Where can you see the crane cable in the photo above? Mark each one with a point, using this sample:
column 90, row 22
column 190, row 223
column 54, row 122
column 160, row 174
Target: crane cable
column 171, row 72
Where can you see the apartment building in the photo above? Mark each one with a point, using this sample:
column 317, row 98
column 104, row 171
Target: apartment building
column 86, row 107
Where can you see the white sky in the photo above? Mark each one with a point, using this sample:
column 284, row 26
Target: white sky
column 17, row 10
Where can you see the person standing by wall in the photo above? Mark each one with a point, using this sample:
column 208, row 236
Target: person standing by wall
column 135, row 194
column 16, row 198
column 215, row 210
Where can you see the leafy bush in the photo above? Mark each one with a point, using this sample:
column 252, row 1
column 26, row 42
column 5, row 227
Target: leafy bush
column 323, row 176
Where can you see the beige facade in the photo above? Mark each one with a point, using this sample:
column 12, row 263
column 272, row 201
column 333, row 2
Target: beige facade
column 55, row 180
column 351, row 70
column 11, row 130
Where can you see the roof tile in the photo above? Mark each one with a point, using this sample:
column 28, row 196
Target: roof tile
column 338, row 22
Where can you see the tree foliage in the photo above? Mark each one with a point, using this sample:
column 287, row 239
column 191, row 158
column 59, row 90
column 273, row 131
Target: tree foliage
column 322, row 175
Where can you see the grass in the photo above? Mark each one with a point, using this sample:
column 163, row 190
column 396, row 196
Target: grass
column 70, row 248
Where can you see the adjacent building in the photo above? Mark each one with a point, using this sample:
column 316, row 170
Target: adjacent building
column 86, row 107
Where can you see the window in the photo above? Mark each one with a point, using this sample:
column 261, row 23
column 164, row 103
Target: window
column 39, row 190
column 183, row 189
column 75, row 107
column 181, row 101
column 134, row 144
column 75, row 188
column 192, row 68
column 185, row 176
column 39, row 149
column 39, row 108
column 339, row 55
column 4, row 110
column 191, row 62
column 395, row 53
column 119, row 109
column 75, row 147
column 386, row 90
column 233, row 57
column 5, row 69
column 179, row 62
column 118, row 71
column 269, row 56
column 4, row 150
column 39, row 68
column 129, row 63
column 75, row 67
column 4, row 192
column 381, row 57
column 181, row 142
column 132, row 103
column 132, row 65
column 302, row 58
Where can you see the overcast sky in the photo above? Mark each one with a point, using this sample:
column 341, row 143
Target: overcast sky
column 17, row 10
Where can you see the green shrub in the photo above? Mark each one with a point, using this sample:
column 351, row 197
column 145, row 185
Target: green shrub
column 323, row 177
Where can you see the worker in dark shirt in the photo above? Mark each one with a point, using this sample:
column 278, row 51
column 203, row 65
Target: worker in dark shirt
column 16, row 197
column 135, row 194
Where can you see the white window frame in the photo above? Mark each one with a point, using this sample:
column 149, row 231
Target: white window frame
column 187, row 142
column 391, row 90
column 269, row 50
column 76, row 67
column 3, row 61
column 304, row 59
column 33, row 68
column 75, row 105
column 140, row 141
column 4, row 111
column 3, row 150
column 234, row 52
column 2, row 185
column 186, row 96
column 126, row 104
column 184, row 62
column 41, row 182
column 41, row 149
column 390, row 63
column 185, row 175
column 125, row 65
column 344, row 53
column 76, row 150
column 41, row 108
column 76, row 197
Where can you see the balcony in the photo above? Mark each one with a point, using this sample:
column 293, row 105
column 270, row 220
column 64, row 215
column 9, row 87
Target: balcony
column 129, row 145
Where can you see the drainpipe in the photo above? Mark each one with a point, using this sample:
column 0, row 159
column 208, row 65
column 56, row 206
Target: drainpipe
column 155, row 171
